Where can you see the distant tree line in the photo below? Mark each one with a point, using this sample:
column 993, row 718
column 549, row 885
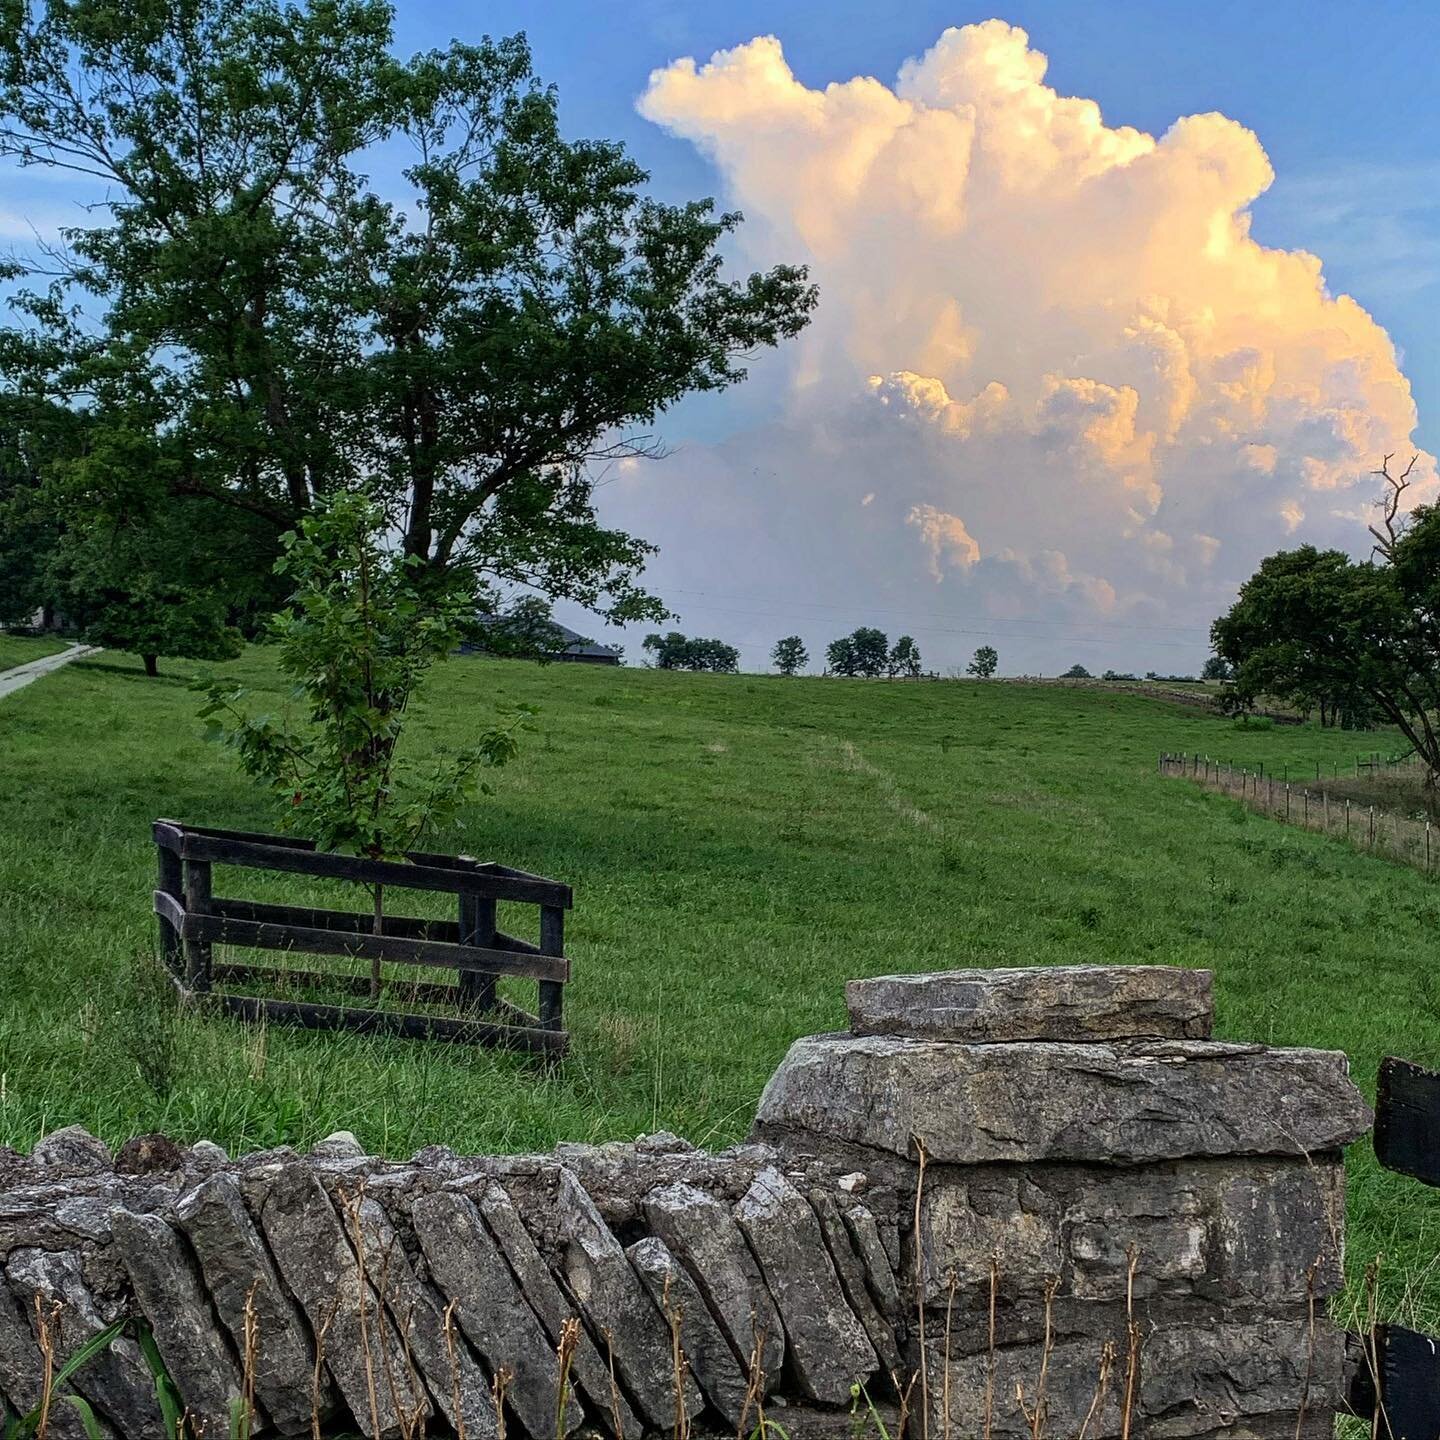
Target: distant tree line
column 674, row 651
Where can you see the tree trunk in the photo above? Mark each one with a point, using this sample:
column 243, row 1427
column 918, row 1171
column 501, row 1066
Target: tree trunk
column 152, row 665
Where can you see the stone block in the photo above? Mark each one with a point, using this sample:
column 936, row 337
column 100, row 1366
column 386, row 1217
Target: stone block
column 1122, row 1104
column 1064, row 1003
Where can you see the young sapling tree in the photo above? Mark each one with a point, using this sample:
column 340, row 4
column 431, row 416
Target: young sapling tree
column 363, row 626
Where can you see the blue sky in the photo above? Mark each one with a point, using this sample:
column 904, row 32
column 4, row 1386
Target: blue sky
column 1342, row 95
column 776, row 511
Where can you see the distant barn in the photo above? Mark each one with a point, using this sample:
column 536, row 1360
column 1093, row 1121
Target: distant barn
column 567, row 644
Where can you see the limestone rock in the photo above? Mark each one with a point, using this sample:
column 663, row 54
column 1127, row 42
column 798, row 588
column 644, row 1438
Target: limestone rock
column 454, row 1377
column 171, row 1296
column 340, row 1145
column 826, row 1344
column 703, row 1235
column 116, row 1380
column 606, row 1287
column 706, row 1349
column 20, row 1371
column 879, row 1272
column 851, row 1270
column 74, row 1150
column 1065, row 1003
column 1033, row 1101
column 309, row 1244
column 587, row 1366
column 237, row 1267
column 490, row 1308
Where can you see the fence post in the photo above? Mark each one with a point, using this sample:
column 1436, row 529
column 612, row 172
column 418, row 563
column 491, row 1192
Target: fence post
column 1347, row 819
column 197, row 902
column 172, row 883
column 1371, row 838
column 1287, row 802
column 1427, row 847
column 552, row 942
column 477, row 927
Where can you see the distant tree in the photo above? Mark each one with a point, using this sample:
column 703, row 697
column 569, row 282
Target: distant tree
column 904, row 659
column 865, row 651
column 1215, row 668
column 1117, row 675
column 790, row 655
column 1076, row 672
column 985, row 663
column 674, row 651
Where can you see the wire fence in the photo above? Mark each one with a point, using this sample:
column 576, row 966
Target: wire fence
column 1310, row 805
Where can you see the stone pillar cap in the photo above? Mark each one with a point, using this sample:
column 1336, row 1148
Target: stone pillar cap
column 1081, row 1003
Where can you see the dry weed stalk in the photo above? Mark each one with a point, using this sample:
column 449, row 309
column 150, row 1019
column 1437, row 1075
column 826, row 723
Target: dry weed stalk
column 565, row 1356
column 250, row 1354
column 920, row 1290
column 498, row 1386
column 1132, row 1343
column 46, row 1317
column 989, row 1421
column 902, row 1413
column 319, row 1369
column 1309, row 1346
column 754, row 1381
column 1372, row 1357
column 1036, row 1418
column 674, row 1317
column 447, row 1324
column 616, row 1427
column 1102, row 1386
column 945, row 1379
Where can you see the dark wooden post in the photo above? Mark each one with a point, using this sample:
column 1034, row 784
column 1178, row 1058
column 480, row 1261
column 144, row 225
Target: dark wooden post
column 197, row 902
column 552, row 992
column 477, row 927
column 172, row 883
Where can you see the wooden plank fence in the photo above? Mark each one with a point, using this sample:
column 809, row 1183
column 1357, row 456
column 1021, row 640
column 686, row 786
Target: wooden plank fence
column 193, row 919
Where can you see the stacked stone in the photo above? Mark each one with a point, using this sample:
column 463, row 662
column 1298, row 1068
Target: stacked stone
column 415, row 1285
column 1120, row 1227
column 1121, row 1224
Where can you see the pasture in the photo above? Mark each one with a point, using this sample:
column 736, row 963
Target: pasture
column 739, row 847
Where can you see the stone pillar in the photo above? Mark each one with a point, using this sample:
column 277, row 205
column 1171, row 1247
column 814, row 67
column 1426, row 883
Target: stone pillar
column 1106, row 1215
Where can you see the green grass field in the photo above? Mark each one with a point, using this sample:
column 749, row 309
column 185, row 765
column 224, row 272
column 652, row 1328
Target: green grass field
column 21, row 649
column 739, row 847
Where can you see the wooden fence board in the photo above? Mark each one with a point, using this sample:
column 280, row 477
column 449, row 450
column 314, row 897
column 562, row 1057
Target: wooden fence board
column 1407, row 1120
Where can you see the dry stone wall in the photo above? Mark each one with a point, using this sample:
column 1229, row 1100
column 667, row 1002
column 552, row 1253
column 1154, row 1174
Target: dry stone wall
column 1044, row 1193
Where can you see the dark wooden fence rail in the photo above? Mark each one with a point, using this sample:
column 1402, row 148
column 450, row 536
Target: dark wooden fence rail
column 193, row 919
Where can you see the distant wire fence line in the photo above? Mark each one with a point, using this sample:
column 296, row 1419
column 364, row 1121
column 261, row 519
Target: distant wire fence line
column 1299, row 802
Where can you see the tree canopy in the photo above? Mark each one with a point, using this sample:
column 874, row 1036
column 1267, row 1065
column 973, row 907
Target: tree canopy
column 790, row 655
column 984, row 663
column 251, row 311
column 1316, row 627
column 674, row 651
column 904, row 658
column 865, row 651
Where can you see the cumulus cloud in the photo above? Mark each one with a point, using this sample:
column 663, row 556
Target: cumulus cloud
column 1060, row 329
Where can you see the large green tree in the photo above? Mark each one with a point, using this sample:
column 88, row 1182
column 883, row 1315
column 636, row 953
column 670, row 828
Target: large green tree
column 466, row 345
column 1317, row 627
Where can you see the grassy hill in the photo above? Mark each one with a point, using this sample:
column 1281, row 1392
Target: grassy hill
column 739, row 847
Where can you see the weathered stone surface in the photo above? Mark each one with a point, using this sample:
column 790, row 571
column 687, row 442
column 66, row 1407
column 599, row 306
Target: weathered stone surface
column 1066, row 1003
column 552, row 1308
column 1246, row 1231
column 73, row 1150
column 168, row 1288
column 1033, row 1101
column 306, row 1237
column 851, row 1270
column 1192, row 1380
column 468, row 1267
column 456, row 1382
column 704, row 1236
column 116, row 1380
column 237, row 1266
column 607, row 1288
column 20, row 1371
column 826, row 1344
column 707, row 1351
column 339, row 1145
column 880, row 1273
